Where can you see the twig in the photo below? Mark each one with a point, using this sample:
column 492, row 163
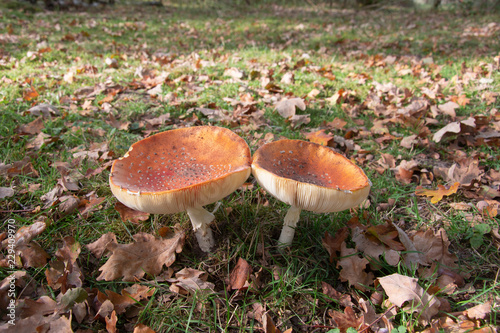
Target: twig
column 16, row 210
column 378, row 319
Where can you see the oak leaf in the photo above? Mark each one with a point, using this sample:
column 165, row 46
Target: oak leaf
column 333, row 243
column 299, row 120
column 98, row 247
column 238, row 279
column 141, row 328
column 319, row 137
column 128, row 296
column 31, row 128
column 438, row 194
column 353, row 268
column 147, row 254
column 47, row 110
column 403, row 290
column 455, row 127
column 347, row 319
column 434, row 246
column 129, row 214
column 286, row 107
column 190, row 281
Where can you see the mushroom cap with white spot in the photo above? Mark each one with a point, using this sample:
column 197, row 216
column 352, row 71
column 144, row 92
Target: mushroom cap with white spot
column 179, row 169
column 309, row 176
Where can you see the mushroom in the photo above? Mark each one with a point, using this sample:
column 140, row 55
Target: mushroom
column 182, row 170
column 308, row 176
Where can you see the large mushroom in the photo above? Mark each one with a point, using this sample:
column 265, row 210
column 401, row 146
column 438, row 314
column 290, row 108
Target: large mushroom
column 310, row 177
column 182, row 170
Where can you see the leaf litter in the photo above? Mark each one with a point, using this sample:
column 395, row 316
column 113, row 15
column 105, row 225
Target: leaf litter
column 431, row 117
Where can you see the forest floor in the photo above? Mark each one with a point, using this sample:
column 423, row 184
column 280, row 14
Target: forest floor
column 411, row 97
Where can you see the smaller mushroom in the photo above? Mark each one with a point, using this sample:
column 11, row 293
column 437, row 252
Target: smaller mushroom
column 310, row 177
column 182, row 170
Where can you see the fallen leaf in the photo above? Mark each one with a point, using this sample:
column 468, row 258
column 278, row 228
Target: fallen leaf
column 23, row 167
column 30, row 93
column 129, row 214
column 438, row 194
column 111, row 322
column 31, row 128
column 448, row 108
column 347, row 319
column 141, row 328
column 403, row 290
column 128, row 297
column 343, row 299
column 286, row 107
column 299, row 120
column 456, row 127
column 6, row 192
column 44, row 109
column 333, row 243
column 319, row 137
column 147, row 255
column 238, row 279
column 190, row 281
column 64, row 273
column 480, row 311
column 434, row 246
column 353, row 268
column 98, row 247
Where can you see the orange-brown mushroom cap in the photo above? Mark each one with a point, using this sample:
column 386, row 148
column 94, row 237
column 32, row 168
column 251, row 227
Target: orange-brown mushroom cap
column 309, row 176
column 179, row 169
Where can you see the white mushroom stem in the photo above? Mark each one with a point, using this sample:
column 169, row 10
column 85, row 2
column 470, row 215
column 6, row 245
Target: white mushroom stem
column 201, row 219
column 288, row 231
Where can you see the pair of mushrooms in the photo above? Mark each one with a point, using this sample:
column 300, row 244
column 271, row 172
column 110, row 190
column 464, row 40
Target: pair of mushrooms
column 188, row 168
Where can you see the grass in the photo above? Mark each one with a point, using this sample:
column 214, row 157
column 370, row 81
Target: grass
column 195, row 44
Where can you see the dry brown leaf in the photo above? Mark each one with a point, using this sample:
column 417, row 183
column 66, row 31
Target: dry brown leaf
column 269, row 326
column 480, row 311
column 25, row 234
column 32, row 255
column 387, row 234
column 346, row 319
column 299, row 120
column 448, row 108
column 434, row 246
column 403, row 290
column 319, row 137
column 438, row 194
column 23, row 167
column 98, row 247
column 336, row 123
column 353, row 269
column 64, row 273
column 31, row 128
column 344, row 299
column 456, row 127
column 44, row 109
column 374, row 248
column 190, row 281
column 238, row 279
column 88, row 206
column 141, row 328
column 147, row 255
column 333, row 243
column 44, row 306
column 6, row 192
column 286, row 107
column 111, row 322
column 129, row 214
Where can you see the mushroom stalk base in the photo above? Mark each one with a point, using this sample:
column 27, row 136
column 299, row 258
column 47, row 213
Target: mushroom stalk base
column 200, row 219
column 288, row 231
